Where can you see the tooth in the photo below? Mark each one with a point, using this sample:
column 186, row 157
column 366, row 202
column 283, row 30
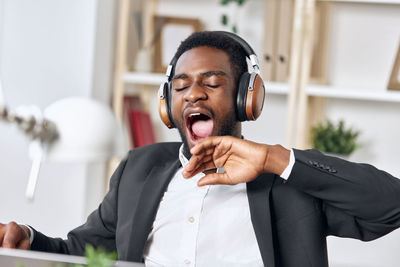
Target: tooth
column 194, row 114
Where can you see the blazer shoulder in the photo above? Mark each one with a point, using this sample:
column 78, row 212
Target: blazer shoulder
column 156, row 152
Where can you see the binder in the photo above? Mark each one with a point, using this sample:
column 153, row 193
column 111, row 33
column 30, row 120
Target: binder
column 318, row 71
column 285, row 22
column 270, row 31
column 394, row 81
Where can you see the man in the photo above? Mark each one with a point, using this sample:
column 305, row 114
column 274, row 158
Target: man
column 265, row 205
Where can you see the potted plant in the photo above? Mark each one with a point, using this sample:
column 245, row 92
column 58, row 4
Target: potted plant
column 231, row 21
column 334, row 139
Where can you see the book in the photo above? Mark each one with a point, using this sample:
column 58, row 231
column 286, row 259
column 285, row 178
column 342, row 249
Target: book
column 138, row 122
column 141, row 128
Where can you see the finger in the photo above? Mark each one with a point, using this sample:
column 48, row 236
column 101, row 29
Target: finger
column 26, row 233
column 222, row 150
column 196, row 161
column 12, row 235
column 209, row 165
column 205, row 151
column 24, row 244
column 2, row 232
column 215, row 178
column 200, row 168
column 206, row 144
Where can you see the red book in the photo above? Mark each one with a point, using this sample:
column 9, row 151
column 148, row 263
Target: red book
column 141, row 128
column 130, row 103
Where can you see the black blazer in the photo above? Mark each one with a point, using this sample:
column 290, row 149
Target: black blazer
column 323, row 196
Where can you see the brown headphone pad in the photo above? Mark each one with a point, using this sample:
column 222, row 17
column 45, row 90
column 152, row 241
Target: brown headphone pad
column 255, row 99
column 162, row 110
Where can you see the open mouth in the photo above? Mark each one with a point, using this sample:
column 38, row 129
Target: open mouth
column 199, row 126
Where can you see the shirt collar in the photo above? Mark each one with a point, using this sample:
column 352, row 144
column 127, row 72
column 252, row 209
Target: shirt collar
column 184, row 161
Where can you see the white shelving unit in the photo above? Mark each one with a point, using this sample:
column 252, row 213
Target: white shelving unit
column 381, row 95
column 364, row 1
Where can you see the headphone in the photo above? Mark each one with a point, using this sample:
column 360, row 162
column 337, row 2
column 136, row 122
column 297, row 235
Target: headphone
column 250, row 93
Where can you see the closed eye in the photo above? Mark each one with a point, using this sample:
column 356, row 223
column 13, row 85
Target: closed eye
column 180, row 89
column 212, row 86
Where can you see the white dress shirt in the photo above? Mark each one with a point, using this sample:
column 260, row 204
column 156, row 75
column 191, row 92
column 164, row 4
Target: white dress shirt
column 203, row 226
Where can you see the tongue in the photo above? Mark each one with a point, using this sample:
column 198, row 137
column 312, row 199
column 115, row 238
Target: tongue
column 202, row 128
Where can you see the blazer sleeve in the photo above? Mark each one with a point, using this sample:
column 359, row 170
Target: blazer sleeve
column 99, row 229
column 357, row 200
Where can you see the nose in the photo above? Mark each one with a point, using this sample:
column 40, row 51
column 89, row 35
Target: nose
column 195, row 93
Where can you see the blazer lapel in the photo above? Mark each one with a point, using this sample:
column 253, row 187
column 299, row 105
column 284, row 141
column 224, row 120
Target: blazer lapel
column 156, row 183
column 258, row 192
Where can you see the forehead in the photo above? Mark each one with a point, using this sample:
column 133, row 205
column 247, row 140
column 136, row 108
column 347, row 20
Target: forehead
column 201, row 59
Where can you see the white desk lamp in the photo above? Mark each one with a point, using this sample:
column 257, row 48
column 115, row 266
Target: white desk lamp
column 69, row 130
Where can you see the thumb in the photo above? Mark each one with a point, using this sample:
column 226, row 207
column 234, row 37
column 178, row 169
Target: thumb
column 215, row 178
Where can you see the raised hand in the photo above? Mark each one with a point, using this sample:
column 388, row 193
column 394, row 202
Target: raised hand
column 242, row 160
column 13, row 235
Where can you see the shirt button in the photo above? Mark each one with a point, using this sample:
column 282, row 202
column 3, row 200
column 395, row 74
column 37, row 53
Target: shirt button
column 191, row 219
column 187, row 262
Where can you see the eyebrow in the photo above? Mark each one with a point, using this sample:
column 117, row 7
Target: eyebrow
column 203, row 74
column 213, row 73
column 179, row 76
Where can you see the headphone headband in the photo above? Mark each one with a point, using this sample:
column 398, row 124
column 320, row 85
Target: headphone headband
column 246, row 47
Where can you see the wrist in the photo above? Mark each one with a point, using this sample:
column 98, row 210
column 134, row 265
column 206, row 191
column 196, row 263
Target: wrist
column 26, row 230
column 277, row 159
column 29, row 232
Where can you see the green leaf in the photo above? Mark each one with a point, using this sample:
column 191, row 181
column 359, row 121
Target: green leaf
column 234, row 29
column 99, row 257
column 224, row 19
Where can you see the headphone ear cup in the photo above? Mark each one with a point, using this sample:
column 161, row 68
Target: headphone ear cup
column 255, row 98
column 163, row 106
column 241, row 99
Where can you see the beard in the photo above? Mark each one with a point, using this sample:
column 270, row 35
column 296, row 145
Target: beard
column 228, row 127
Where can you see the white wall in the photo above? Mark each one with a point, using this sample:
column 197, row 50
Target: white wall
column 49, row 51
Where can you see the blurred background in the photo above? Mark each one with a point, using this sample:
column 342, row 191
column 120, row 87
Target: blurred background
column 323, row 62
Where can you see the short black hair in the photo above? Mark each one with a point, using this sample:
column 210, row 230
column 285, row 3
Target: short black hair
column 237, row 55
